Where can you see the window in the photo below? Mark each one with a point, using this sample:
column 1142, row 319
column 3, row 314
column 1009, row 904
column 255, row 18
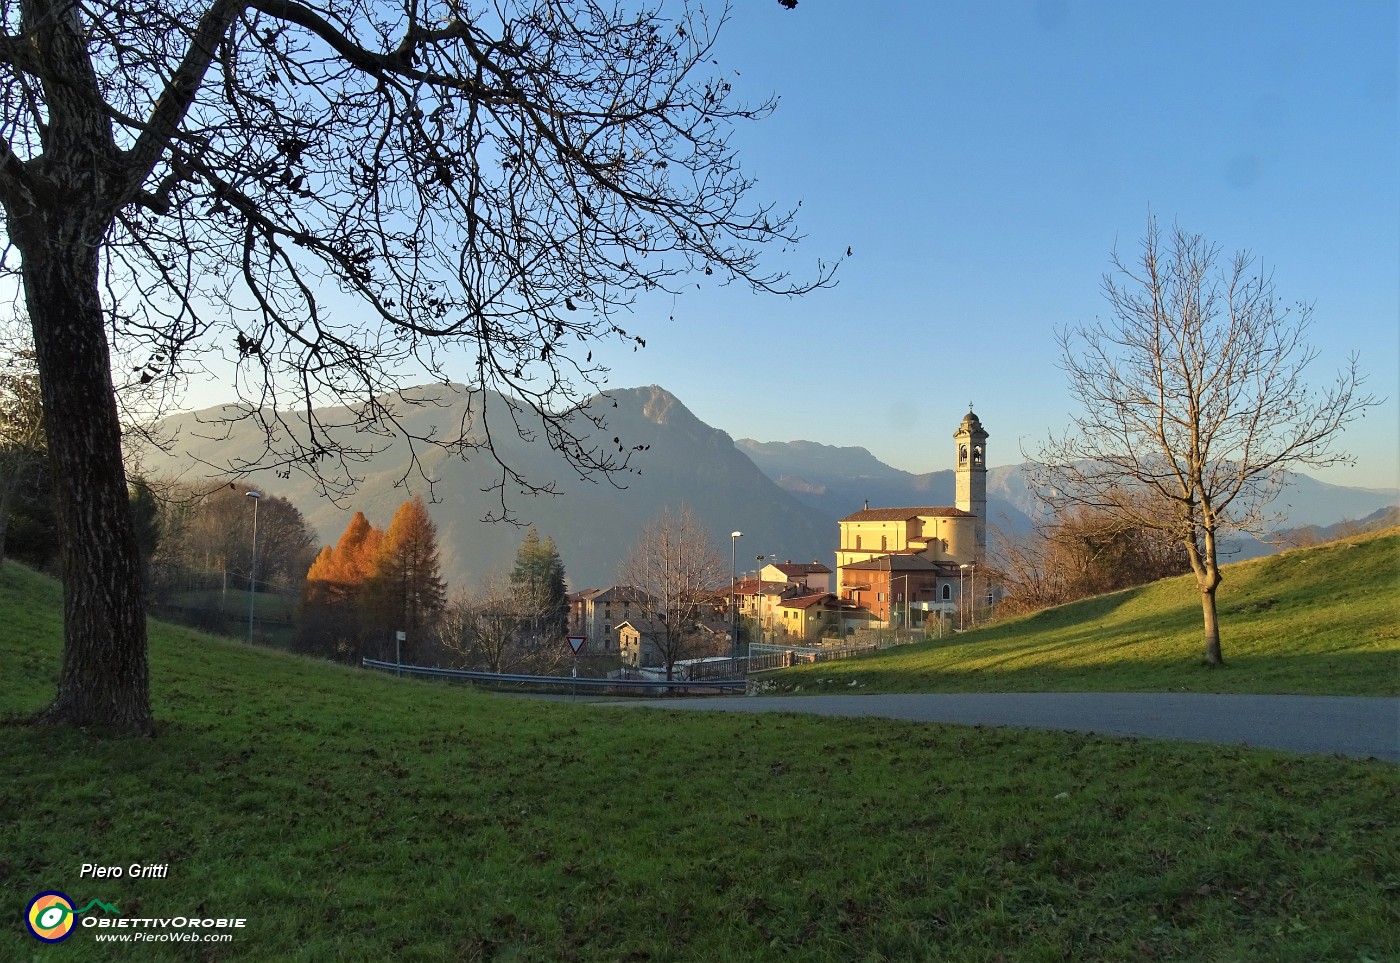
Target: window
column 879, row 596
column 947, row 592
column 857, row 542
column 883, row 546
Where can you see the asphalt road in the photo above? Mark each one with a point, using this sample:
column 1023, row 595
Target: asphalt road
column 1362, row 727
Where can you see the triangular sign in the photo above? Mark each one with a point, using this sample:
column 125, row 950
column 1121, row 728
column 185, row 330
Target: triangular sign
column 576, row 642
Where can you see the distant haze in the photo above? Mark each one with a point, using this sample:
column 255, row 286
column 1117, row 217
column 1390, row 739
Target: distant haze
column 785, row 497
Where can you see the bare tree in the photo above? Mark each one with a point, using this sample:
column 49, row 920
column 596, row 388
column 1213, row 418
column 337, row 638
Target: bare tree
column 1194, row 403
column 676, row 565
column 207, row 532
column 497, row 629
column 1077, row 553
column 493, row 183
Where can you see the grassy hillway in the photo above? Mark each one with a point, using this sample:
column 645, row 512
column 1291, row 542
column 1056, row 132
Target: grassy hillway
column 353, row 816
column 1316, row 621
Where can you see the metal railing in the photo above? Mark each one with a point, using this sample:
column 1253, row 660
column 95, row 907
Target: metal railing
column 674, row 687
column 765, row 657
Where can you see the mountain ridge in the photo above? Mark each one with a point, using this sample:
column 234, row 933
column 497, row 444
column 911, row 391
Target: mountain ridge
column 786, row 497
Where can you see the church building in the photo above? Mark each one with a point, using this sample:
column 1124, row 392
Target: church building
column 904, row 563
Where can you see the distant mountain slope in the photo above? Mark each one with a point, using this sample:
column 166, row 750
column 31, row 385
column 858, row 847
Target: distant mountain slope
column 785, row 497
column 839, row 480
column 1315, row 534
column 593, row 523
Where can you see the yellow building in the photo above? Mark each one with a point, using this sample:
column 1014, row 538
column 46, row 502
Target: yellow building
column 950, row 534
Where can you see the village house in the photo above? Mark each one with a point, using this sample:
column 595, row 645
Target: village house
column 641, row 641
column 596, row 614
column 811, row 576
column 811, row 618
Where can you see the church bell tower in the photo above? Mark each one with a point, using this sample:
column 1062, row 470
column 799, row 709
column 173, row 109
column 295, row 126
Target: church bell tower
column 971, row 474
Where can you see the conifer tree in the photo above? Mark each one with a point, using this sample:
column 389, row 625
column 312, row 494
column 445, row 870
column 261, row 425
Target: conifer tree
column 537, row 581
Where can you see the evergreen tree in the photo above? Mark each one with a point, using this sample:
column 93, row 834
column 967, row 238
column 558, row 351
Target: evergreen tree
column 22, row 445
column 145, row 517
column 537, row 581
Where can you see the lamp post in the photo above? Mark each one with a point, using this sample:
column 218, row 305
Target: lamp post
column 758, row 606
column 974, row 595
column 253, row 565
column 904, row 622
column 962, row 603
column 733, row 620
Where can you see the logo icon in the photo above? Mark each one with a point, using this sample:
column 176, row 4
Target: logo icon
column 50, row 917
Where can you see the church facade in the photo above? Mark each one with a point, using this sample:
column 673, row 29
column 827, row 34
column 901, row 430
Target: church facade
column 904, row 563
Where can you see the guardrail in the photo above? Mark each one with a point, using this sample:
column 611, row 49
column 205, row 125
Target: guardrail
column 676, row 685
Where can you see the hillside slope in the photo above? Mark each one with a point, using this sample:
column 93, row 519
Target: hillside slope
column 1322, row 620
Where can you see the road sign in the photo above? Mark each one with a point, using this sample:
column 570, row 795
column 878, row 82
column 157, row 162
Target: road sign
column 576, row 643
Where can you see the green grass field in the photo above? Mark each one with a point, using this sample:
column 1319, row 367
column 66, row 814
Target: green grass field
column 1323, row 621
column 352, row 816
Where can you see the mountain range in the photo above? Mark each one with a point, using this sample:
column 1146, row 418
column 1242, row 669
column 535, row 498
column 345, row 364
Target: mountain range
column 785, row 497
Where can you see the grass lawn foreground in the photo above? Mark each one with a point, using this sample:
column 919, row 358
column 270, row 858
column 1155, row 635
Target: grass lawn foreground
column 352, row 816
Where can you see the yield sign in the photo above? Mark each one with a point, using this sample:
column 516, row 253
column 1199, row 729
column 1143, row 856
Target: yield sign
column 576, row 642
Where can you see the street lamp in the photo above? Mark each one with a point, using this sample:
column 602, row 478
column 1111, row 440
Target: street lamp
column 904, row 622
column 733, row 619
column 253, row 565
column 973, row 613
column 758, row 596
column 962, row 603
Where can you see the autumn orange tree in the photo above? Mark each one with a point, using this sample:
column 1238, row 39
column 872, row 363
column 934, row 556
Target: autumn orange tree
column 335, row 584
column 405, row 591
column 374, row 583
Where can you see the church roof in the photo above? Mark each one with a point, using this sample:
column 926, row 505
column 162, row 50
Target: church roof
column 971, row 424
column 904, row 514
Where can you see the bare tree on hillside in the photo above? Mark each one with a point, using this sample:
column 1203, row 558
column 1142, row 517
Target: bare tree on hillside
column 1079, row 553
column 1194, row 403
column 676, row 565
column 492, row 184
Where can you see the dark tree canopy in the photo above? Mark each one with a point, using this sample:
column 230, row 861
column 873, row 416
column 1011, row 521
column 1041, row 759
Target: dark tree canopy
column 335, row 195
column 492, row 187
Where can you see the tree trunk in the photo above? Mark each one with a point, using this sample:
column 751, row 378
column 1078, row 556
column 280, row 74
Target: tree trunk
column 105, row 680
column 1208, row 580
column 1212, row 627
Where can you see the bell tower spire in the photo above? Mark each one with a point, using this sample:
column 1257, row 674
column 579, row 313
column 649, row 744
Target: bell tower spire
column 971, row 475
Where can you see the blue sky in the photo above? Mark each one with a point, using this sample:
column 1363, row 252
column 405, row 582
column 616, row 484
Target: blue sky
column 982, row 160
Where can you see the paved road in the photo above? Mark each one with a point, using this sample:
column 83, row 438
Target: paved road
column 1346, row 725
